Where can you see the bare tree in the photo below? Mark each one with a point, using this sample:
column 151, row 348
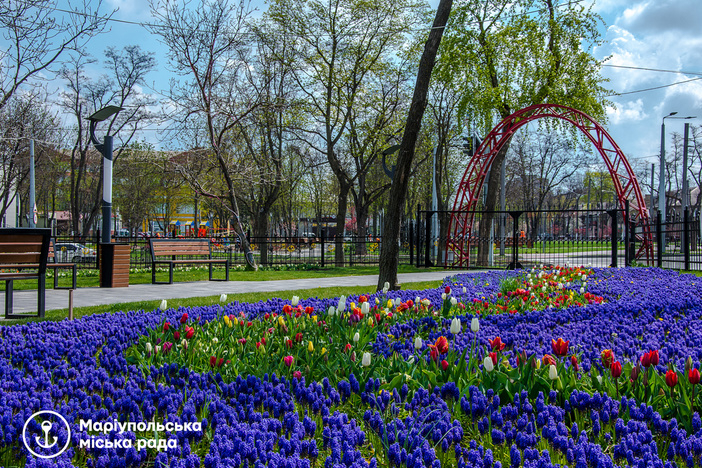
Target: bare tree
column 126, row 71
column 35, row 39
column 208, row 47
column 22, row 118
column 339, row 43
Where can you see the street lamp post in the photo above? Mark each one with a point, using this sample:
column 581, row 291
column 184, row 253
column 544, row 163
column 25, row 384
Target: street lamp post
column 106, row 150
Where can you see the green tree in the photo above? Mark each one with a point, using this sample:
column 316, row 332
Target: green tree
column 338, row 44
column 505, row 56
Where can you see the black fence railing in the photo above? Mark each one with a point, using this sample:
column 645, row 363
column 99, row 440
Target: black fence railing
column 521, row 238
column 517, row 238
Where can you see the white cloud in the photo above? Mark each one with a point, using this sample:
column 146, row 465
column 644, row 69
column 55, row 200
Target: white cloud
column 626, row 112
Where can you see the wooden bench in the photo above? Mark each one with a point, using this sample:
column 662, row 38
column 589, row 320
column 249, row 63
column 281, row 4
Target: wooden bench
column 52, row 263
column 509, row 242
column 21, row 250
column 167, row 251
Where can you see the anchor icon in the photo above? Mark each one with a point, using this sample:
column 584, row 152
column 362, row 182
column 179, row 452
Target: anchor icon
column 46, row 427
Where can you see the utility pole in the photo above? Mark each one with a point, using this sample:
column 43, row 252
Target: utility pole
column 32, row 188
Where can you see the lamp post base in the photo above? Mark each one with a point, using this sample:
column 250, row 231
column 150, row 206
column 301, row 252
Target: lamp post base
column 114, row 265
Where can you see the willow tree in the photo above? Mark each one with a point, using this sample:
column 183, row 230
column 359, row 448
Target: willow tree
column 504, row 55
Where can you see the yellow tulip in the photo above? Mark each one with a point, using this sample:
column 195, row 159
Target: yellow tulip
column 281, row 321
column 352, row 306
column 310, row 347
column 235, row 321
column 314, row 317
column 324, row 350
column 227, row 321
column 390, row 303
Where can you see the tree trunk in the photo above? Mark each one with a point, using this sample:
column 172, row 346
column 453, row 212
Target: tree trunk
column 260, row 233
column 341, row 206
column 389, row 254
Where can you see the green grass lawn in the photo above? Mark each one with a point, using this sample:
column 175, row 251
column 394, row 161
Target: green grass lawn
column 88, row 278
column 60, row 314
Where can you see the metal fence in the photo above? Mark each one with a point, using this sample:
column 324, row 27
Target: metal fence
column 319, row 251
column 521, row 238
column 575, row 237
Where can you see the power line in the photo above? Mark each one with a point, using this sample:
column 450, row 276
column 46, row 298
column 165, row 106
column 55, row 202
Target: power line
column 655, row 87
column 629, row 67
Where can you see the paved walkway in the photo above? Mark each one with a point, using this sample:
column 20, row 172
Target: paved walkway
column 26, row 301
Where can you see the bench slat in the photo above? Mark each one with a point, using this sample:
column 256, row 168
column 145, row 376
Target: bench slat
column 20, row 258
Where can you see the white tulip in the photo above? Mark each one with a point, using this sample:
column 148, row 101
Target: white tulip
column 332, row 310
column 342, row 304
column 164, row 305
column 365, row 308
column 215, row 340
column 418, row 342
column 222, row 297
column 386, row 287
column 365, row 361
column 599, row 379
column 426, row 302
column 552, row 372
column 417, row 300
column 398, row 301
column 474, row 325
column 454, row 301
column 410, row 360
column 560, row 285
column 464, row 290
column 443, row 296
column 158, row 348
column 582, row 290
column 584, row 277
column 356, row 337
column 295, row 301
column 149, row 348
column 455, row 325
column 487, row 364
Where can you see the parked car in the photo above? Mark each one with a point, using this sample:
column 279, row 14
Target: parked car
column 73, row 252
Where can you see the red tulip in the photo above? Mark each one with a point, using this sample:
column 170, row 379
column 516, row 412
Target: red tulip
column 574, row 363
column 493, row 356
column 447, row 289
column 410, row 303
column 671, row 378
column 297, row 374
column 298, row 337
column 362, row 299
column 616, row 369
column 309, row 310
column 693, row 376
column 560, row 347
column 213, row 361
column 287, row 309
column 654, row 358
column 184, row 318
column 165, row 326
column 434, row 353
column 607, row 358
column 496, row 344
column 442, row 345
column 347, row 347
column 189, row 332
column 176, row 335
column 221, row 361
column 548, row 360
column 444, row 364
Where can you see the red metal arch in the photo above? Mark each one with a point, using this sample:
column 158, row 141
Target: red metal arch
column 625, row 183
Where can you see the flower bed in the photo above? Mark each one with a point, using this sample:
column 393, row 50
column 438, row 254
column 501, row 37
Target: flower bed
column 594, row 374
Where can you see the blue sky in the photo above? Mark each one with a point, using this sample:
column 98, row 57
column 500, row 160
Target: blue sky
column 653, row 34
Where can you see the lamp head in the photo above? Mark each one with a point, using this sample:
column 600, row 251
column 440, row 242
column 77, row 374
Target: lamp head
column 104, row 113
column 672, row 113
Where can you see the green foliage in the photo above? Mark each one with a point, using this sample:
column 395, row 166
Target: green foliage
column 506, row 55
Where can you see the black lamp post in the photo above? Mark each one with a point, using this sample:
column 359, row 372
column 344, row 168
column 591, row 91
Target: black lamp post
column 106, row 150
